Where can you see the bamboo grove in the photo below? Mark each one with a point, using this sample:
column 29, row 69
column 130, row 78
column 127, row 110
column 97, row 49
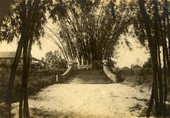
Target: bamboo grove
column 154, row 24
column 90, row 30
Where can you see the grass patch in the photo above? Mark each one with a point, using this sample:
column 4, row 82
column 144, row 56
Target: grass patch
column 134, row 77
column 38, row 79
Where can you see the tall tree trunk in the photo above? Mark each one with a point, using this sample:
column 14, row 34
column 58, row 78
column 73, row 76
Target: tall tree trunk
column 21, row 100
column 26, row 106
column 151, row 101
column 25, row 79
column 168, row 35
column 12, row 76
column 160, row 83
column 155, row 81
column 165, row 58
column 157, row 27
column 24, row 111
column 168, row 24
column 165, row 77
column 153, row 52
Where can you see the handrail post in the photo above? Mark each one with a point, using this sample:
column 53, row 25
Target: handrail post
column 105, row 62
column 108, row 72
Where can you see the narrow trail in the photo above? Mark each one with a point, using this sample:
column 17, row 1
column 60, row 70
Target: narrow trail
column 88, row 101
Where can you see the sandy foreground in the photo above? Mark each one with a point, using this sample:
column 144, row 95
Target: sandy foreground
column 88, row 101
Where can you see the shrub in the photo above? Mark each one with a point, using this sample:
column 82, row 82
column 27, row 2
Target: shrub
column 4, row 75
column 120, row 75
column 137, row 75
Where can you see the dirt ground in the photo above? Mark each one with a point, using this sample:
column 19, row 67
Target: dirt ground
column 89, row 101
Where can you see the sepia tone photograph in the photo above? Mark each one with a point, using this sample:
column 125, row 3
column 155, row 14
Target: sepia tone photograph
column 84, row 58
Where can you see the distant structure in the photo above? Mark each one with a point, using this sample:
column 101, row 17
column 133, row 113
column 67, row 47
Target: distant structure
column 37, row 64
column 7, row 58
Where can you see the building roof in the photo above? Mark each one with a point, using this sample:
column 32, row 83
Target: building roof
column 35, row 59
column 8, row 54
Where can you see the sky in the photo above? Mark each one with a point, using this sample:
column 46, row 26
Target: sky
column 126, row 57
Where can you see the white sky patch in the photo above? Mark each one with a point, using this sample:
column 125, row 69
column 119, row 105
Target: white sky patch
column 126, row 57
column 36, row 51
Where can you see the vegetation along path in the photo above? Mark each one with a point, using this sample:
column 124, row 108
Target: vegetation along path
column 88, row 101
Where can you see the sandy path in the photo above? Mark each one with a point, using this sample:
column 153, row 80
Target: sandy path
column 88, row 100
